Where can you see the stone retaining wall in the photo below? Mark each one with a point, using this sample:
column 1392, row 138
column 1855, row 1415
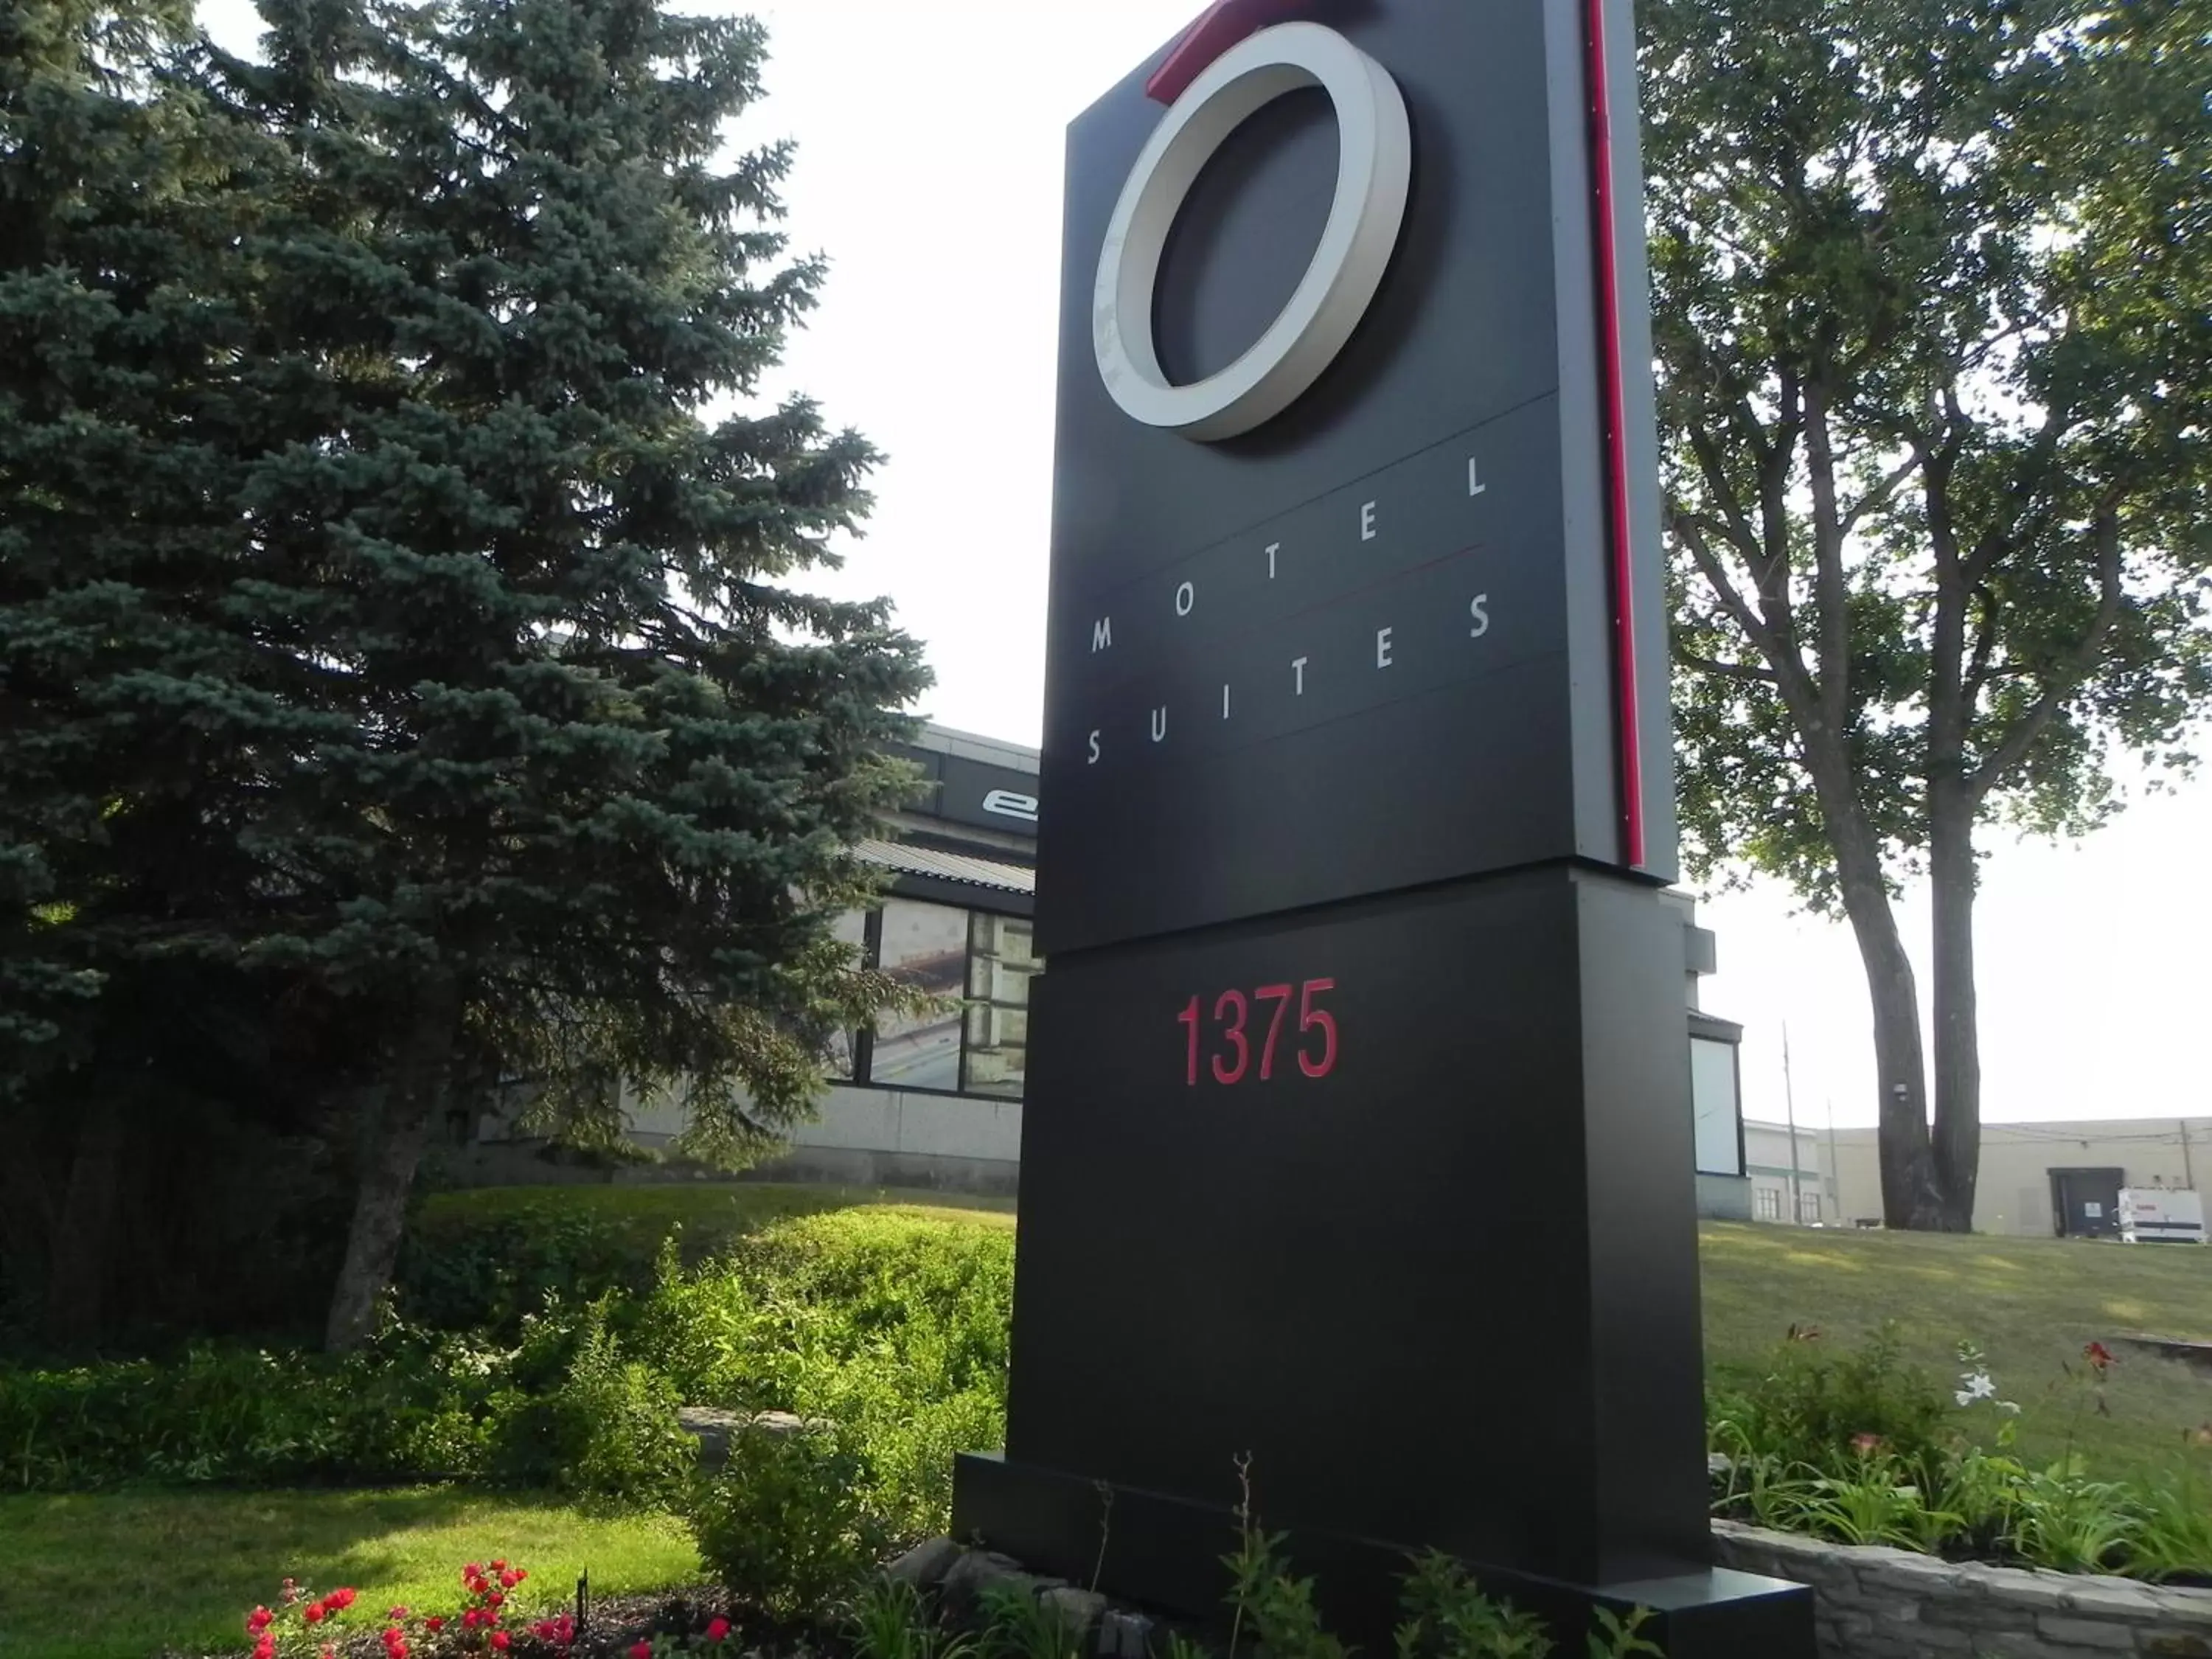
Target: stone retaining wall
column 1891, row 1604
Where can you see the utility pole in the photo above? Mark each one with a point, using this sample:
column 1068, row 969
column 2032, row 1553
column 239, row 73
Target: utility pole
column 1835, row 1181
column 1790, row 1104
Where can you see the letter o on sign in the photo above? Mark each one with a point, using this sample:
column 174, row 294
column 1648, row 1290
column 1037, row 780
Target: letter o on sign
column 1373, row 170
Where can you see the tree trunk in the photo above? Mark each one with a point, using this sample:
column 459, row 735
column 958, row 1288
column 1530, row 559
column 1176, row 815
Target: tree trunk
column 78, row 1266
column 1911, row 1197
column 1958, row 1142
column 399, row 1116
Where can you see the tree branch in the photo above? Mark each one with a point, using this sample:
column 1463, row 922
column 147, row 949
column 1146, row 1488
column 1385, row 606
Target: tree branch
column 2015, row 744
column 1985, row 641
column 1790, row 676
column 1829, row 583
column 1734, row 671
column 1880, row 495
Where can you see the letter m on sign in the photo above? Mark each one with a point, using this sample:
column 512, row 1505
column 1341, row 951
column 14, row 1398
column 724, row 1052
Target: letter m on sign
column 1102, row 633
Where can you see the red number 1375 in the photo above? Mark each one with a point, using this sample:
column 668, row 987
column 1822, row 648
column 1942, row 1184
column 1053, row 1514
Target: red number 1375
column 1238, row 1026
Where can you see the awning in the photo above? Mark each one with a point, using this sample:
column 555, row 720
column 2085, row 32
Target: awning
column 948, row 866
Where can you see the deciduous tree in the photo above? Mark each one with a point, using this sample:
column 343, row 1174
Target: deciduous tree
column 1935, row 356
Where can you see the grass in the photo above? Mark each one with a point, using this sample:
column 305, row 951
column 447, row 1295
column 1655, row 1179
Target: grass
column 126, row 1575
column 2030, row 1303
column 710, row 1213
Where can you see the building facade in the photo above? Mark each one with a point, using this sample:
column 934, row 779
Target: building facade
column 1788, row 1172
column 935, row 1102
column 2045, row 1180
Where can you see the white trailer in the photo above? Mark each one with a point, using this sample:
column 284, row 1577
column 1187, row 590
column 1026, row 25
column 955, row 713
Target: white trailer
column 2161, row 1215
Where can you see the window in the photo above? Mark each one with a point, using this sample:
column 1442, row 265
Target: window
column 1808, row 1208
column 1000, row 963
column 925, row 945
column 851, row 929
column 1712, row 1094
column 979, row 965
column 1766, row 1203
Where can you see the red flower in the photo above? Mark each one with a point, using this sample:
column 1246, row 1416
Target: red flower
column 520, row 1574
column 2098, row 1355
column 501, row 1640
column 494, row 1599
column 641, row 1650
column 477, row 1586
column 1865, row 1444
column 396, row 1613
column 314, row 1612
column 433, row 1624
column 341, row 1599
column 468, row 1618
column 474, row 1570
column 258, row 1620
column 510, row 1578
column 266, row 1647
column 330, row 1652
column 718, row 1629
column 499, row 1565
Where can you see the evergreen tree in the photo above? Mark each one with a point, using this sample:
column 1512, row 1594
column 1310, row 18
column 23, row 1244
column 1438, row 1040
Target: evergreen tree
column 121, row 205
column 528, row 750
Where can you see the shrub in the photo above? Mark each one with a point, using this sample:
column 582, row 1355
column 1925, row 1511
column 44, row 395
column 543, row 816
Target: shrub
column 785, row 1525
column 1446, row 1617
column 2175, row 1538
column 1820, row 1407
column 465, row 1272
column 891, row 1620
column 410, row 1403
column 606, row 1428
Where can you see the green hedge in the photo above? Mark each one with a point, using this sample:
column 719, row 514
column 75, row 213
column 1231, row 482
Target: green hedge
column 892, row 1324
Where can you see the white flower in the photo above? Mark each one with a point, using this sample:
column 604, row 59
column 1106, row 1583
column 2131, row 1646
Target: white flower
column 1977, row 1385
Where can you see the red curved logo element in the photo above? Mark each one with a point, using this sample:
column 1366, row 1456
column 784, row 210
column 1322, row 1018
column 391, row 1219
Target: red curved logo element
column 1222, row 25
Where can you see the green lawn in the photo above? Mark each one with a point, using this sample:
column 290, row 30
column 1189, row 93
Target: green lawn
column 123, row 1576
column 710, row 1213
column 2030, row 1303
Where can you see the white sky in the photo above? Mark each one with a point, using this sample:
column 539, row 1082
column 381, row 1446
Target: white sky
column 929, row 169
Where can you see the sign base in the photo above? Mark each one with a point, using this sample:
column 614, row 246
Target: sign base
column 1165, row 1552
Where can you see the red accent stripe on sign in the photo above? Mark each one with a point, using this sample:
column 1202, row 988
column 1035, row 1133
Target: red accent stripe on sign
column 1625, row 711
column 1220, row 27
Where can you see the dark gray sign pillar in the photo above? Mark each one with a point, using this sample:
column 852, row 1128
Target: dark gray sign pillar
column 1357, row 1131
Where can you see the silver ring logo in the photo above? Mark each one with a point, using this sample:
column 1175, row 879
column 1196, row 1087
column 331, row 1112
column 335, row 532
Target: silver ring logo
column 1373, row 172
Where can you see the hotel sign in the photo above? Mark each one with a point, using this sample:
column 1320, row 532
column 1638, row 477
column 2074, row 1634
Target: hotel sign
column 1360, row 1047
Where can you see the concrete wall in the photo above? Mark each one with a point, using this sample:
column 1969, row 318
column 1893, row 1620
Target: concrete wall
column 1724, row 1198
column 885, row 1138
column 1891, row 1604
column 2013, row 1194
